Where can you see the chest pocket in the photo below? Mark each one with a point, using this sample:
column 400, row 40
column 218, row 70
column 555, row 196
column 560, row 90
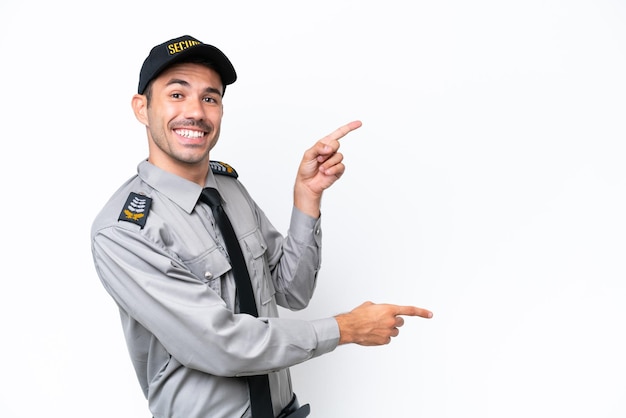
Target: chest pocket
column 210, row 267
column 254, row 247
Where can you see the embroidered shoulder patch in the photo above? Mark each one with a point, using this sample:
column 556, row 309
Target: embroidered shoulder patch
column 136, row 209
column 219, row 167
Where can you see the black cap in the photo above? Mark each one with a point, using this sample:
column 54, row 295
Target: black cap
column 180, row 50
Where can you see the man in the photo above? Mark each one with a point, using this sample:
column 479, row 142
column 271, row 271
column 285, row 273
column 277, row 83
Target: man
column 163, row 258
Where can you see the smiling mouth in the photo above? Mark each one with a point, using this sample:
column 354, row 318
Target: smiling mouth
column 189, row 133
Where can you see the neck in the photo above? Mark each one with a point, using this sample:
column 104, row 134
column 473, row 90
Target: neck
column 194, row 172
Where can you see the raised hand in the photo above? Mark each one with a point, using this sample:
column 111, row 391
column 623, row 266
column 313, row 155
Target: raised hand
column 320, row 167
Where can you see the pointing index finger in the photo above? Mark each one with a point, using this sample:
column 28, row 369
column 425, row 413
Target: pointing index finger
column 342, row 131
column 413, row 311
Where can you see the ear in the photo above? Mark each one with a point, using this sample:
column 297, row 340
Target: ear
column 139, row 103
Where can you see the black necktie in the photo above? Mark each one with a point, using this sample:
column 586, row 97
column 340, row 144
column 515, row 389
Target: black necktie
column 260, row 398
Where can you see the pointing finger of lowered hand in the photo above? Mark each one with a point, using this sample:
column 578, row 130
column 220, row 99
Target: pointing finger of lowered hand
column 413, row 311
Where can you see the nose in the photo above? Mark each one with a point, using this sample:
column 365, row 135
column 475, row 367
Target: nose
column 194, row 109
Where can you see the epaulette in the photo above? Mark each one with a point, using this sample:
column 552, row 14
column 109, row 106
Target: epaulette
column 136, row 209
column 219, row 167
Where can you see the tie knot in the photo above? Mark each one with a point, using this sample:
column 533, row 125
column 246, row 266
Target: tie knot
column 211, row 197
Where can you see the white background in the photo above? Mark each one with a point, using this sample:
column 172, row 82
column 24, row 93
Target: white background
column 486, row 184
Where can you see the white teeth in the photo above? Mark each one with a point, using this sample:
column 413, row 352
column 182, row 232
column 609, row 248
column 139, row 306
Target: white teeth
column 188, row 133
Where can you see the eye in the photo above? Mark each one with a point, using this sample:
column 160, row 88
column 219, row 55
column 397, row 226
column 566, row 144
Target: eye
column 176, row 95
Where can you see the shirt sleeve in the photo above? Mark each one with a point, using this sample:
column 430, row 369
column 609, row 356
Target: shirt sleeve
column 296, row 260
column 192, row 322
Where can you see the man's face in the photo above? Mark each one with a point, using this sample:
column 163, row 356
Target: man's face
column 184, row 117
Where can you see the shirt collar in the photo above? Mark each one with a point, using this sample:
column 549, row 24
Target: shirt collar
column 183, row 192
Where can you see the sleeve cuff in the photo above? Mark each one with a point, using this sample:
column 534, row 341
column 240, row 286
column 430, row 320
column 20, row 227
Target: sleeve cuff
column 305, row 229
column 327, row 331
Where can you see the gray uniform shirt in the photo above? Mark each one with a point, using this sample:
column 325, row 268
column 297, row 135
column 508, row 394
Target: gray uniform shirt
column 167, row 270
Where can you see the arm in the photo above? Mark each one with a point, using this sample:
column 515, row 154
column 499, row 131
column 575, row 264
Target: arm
column 190, row 320
column 294, row 262
column 320, row 167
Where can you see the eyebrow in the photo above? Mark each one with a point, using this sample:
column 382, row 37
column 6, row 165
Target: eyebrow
column 177, row 81
column 186, row 84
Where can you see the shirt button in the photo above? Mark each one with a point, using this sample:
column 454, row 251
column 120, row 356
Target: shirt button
column 208, row 275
